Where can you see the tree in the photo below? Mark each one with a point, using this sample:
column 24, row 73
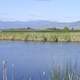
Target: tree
column 66, row 28
column 28, row 28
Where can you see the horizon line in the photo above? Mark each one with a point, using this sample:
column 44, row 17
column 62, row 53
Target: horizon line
column 39, row 20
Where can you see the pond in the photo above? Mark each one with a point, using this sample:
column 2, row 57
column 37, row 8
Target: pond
column 35, row 60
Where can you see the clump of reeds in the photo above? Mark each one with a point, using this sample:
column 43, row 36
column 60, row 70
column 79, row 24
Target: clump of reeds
column 67, row 73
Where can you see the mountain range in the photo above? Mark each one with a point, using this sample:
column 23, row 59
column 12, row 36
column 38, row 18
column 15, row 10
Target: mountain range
column 38, row 24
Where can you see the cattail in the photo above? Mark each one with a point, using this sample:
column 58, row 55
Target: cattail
column 4, row 70
column 13, row 68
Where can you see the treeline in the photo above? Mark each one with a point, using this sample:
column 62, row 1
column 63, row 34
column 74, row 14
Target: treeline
column 28, row 29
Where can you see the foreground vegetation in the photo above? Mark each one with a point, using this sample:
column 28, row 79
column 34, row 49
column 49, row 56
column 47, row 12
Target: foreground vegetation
column 52, row 35
column 68, row 73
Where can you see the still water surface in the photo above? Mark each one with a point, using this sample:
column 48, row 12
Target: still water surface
column 34, row 60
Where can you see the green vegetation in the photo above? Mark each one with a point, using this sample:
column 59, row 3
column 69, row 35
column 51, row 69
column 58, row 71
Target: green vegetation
column 51, row 35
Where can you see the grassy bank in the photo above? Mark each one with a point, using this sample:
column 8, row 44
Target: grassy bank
column 41, row 36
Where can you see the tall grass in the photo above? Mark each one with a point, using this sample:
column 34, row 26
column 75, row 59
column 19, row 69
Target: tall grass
column 65, row 73
column 41, row 36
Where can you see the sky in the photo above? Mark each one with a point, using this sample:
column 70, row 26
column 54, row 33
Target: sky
column 29, row 10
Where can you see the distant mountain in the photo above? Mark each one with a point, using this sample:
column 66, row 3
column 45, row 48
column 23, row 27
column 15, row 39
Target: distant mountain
column 38, row 24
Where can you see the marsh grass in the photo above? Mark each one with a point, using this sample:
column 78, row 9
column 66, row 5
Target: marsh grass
column 41, row 36
column 65, row 73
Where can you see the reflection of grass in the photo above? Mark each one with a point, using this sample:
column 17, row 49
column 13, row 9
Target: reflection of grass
column 67, row 73
column 41, row 36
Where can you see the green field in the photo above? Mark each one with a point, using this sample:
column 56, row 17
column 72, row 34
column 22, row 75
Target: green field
column 51, row 36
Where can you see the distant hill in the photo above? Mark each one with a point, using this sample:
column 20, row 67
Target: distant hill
column 38, row 24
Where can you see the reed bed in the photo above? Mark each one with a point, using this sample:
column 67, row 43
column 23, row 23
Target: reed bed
column 41, row 36
column 66, row 73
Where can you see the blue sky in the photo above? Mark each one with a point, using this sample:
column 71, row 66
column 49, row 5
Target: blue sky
column 52, row 10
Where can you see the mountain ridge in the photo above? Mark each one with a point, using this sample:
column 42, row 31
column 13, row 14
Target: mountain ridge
column 38, row 24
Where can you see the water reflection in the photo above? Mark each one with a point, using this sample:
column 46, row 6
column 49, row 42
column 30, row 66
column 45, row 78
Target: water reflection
column 36, row 61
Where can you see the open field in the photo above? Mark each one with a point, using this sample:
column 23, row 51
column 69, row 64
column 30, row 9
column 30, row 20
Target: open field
column 41, row 36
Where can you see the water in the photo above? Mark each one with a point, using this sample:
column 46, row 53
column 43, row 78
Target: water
column 34, row 60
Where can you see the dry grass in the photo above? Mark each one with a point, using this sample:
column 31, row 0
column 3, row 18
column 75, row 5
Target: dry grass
column 41, row 36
